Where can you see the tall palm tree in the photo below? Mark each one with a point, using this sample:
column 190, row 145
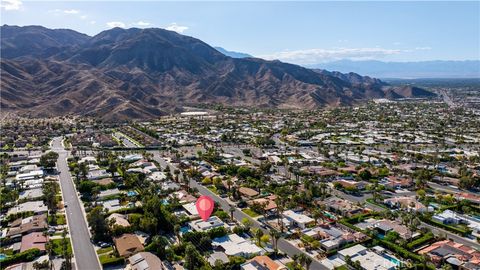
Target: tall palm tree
column 275, row 237
column 232, row 210
column 176, row 229
column 280, row 207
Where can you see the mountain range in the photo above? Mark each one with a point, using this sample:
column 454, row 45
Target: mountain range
column 407, row 70
column 122, row 74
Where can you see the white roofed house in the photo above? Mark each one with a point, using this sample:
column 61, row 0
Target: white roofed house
column 112, row 205
column 30, row 194
column 35, row 206
column 410, row 203
column 109, row 192
column 447, row 217
column 235, row 245
column 29, row 175
column 203, row 226
column 97, row 174
column 297, row 219
column 157, row 176
column 368, row 259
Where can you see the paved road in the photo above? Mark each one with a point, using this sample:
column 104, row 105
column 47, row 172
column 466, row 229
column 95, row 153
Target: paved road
column 126, row 142
column 283, row 245
column 84, row 253
column 449, row 189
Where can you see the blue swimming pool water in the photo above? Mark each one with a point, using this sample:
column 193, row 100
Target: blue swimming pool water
column 2, row 256
column 329, row 215
column 132, row 193
column 393, row 260
column 184, row 229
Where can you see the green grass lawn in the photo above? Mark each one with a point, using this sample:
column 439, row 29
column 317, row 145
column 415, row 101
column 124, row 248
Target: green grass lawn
column 250, row 212
column 370, row 200
column 105, row 250
column 213, row 189
column 109, row 259
column 57, row 246
column 60, row 219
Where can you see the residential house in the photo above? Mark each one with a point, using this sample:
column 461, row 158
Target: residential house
column 235, row 245
column 248, row 192
column 119, row 220
column 127, row 245
column 33, row 240
column 36, row 207
column 409, row 203
column 298, row 219
column 456, row 254
column 203, row 226
column 368, row 259
column 144, row 261
column 344, row 207
column 262, row 263
column 27, row 225
column 447, row 217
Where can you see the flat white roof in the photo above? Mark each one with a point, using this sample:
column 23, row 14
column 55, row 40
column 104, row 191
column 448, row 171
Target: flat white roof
column 191, row 208
column 298, row 218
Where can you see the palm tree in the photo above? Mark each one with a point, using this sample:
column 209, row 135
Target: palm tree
column 275, row 236
column 258, row 235
column 176, row 229
column 316, row 215
column 308, row 261
column 229, row 183
column 232, row 210
column 304, row 259
column 280, row 207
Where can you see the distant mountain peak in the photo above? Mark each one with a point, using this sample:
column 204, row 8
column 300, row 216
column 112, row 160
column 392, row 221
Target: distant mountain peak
column 232, row 53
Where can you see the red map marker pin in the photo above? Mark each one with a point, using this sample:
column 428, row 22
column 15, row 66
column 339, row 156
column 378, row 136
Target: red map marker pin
column 204, row 207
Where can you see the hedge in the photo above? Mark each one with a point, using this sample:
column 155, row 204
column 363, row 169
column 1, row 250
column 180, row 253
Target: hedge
column 446, row 227
column 358, row 218
column 399, row 250
column 107, row 260
column 420, row 241
column 25, row 256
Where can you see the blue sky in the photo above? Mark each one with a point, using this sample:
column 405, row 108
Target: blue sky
column 297, row 32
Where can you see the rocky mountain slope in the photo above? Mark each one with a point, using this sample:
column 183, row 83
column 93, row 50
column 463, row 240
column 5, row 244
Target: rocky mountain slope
column 143, row 73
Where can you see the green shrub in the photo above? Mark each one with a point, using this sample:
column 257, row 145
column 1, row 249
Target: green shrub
column 453, row 229
column 26, row 256
column 420, row 241
column 401, row 251
column 107, row 260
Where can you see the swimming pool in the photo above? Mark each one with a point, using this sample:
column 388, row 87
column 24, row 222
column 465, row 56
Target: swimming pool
column 2, row 256
column 132, row 193
column 330, row 215
column 184, row 229
column 392, row 259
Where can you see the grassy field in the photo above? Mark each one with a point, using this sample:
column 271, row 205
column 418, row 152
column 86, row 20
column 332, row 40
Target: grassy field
column 250, row 212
